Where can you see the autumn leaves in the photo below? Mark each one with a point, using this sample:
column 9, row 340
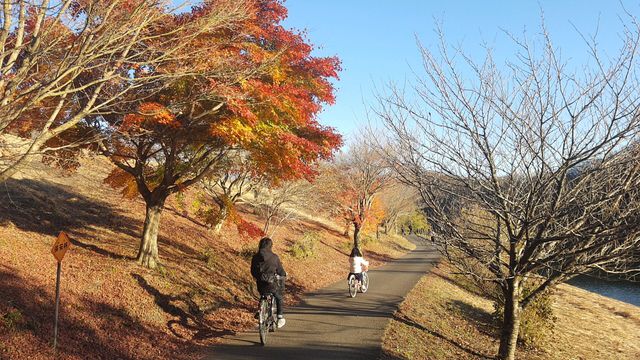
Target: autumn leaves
column 253, row 89
column 170, row 95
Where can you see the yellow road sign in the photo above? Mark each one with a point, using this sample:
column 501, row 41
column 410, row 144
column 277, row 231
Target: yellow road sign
column 60, row 246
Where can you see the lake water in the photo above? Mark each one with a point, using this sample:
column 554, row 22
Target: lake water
column 628, row 292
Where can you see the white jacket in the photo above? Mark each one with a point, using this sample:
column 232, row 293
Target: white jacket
column 357, row 264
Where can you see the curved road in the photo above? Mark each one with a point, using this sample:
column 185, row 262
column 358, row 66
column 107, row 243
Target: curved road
column 329, row 325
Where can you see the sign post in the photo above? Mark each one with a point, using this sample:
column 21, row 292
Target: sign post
column 55, row 326
column 59, row 249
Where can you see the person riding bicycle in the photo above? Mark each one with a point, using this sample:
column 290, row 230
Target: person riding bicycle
column 358, row 264
column 265, row 265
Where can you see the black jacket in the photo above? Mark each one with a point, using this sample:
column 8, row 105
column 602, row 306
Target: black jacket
column 264, row 265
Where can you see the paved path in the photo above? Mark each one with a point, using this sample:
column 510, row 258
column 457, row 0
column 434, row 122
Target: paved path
column 328, row 324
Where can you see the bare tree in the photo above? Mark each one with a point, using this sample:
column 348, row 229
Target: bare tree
column 64, row 61
column 226, row 186
column 363, row 174
column 530, row 170
column 398, row 200
column 277, row 204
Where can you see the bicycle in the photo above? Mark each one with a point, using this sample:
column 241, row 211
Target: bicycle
column 267, row 313
column 356, row 286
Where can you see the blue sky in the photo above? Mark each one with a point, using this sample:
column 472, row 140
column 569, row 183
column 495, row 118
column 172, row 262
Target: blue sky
column 376, row 39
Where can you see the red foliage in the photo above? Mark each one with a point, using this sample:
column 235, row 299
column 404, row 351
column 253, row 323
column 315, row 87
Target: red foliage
column 247, row 230
column 270, row 110
column 150, row 115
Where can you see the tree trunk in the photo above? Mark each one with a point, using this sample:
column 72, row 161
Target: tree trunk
column 356, row 235
column 222, row 217
column 148, row 252
column 267, row 224
column 511, row 322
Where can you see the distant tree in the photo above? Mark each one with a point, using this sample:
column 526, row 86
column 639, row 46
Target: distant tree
column 416, row 221
column 544, row 154
column 278, row 203
column 375, row 217
column 254, row 87
column 398, row 201
column 363, row 174
column 232, row 179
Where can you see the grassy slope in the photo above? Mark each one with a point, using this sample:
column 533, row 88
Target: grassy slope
column 110, row 307
column 441, row 320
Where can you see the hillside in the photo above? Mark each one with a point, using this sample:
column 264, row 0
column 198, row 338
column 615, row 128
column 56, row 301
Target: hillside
column 112, row 308
column 441, row 320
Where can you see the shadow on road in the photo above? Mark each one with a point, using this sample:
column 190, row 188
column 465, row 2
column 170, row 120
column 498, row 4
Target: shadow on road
column 328, row 324
column 300, row 351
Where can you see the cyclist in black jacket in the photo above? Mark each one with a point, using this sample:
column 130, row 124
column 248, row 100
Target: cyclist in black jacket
column 264, row 267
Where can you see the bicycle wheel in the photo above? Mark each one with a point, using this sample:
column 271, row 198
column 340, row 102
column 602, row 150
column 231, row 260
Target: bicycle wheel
column 264, row 321
column 353, row 286
column 365, row 283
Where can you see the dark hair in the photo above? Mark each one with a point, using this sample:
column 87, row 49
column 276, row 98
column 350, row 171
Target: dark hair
column 355, row 252
column 265, row 243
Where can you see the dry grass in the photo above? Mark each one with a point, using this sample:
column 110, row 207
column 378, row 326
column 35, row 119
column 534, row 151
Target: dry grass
column 110, row 307
column 441, row 320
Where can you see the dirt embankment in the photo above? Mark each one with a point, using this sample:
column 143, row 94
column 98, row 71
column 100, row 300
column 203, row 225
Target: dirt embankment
column 112, row 308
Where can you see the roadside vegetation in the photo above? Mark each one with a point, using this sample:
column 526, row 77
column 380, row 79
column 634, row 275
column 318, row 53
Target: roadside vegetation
column 113, row 308
column 528, row 168
column 444, row 318
column 168, row 138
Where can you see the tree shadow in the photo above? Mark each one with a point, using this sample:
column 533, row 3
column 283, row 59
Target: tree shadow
column 109, row 332
column 387, row 355
column 342, row 251
column 465, row 286
column 185, row 215
column 48, row 208
column 191, row 320
column 98, row 250
column 239, row 351
column 483, row 320
column 409, row 322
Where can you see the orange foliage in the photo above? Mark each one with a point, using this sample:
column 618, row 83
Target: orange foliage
column 255, row 87
column 374, row 216
column 121, row 179
column 149, row 115
column 246, row 229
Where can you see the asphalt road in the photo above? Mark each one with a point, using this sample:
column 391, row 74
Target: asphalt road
column 328, row 324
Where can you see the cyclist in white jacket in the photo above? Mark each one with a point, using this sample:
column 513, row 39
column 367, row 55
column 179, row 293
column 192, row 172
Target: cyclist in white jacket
column 358, row 264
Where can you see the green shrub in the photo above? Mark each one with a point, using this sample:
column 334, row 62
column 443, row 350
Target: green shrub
column 367, row 240
column 536, row 321
column 209, row 257
column 305, row 247
column 13, row 320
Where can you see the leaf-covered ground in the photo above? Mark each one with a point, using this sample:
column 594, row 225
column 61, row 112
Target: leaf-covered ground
column 439, row 319
column 110, row 307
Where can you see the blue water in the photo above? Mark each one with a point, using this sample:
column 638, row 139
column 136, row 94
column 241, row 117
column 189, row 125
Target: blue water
column 628, row 292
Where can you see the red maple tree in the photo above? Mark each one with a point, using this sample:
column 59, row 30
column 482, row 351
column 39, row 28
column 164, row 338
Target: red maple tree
column 256, row 88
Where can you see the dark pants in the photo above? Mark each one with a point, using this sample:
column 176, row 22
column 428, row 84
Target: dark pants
column 276, row 289
column 279, row 302
column 358, row 276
